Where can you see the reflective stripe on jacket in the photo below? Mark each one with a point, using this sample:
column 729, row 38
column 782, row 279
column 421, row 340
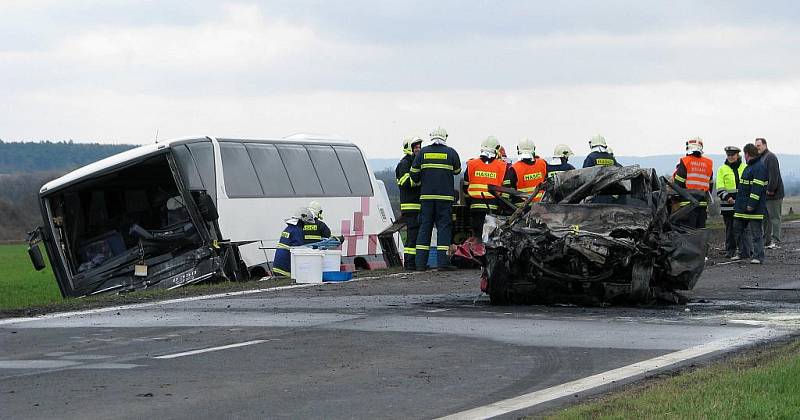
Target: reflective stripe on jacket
column 529, row 175
column 409, row 190
column 315, row 232
column 479, row 176
column 699, row 170
column 752, row 191
column 433, row 169
column 728, row 180
column 291, row 236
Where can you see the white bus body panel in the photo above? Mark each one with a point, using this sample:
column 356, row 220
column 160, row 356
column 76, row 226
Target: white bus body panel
column 358, row 219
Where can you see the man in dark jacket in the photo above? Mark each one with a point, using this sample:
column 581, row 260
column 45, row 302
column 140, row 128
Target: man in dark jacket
column 409, row 199
column 750, row 207
column 560, row 162
column 434, row 168
column 775, row 194
column 599, row 155
column 319, row 230
column 290, row 237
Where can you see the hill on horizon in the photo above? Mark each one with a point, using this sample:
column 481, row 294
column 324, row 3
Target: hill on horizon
column 63, row 156
column 16, row 157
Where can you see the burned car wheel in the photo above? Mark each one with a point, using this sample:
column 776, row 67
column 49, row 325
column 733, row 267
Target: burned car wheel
column 641, row 274
column 497, row 273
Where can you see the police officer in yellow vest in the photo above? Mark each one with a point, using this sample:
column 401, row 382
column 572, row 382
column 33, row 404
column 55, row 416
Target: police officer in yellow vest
column 729, row 176
column 695, row 172
column 409, row 199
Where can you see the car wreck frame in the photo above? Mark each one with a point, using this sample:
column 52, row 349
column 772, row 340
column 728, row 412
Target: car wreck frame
column 599, row 235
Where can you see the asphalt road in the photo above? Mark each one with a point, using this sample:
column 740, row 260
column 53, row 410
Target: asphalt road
column 412, row 346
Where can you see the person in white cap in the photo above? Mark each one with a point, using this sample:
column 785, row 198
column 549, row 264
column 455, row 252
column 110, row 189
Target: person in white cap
column 560, row 162
column 599, row 155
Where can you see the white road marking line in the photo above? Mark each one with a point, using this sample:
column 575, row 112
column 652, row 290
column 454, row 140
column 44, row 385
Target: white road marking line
column 181, row 300
column 210, row 349
column 149, row 304
column 36, row 364
column 581, row 385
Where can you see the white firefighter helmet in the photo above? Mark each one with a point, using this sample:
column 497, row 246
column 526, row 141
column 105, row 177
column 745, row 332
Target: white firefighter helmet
column 439, row 134
column 597, row 140
column 408, row 144
column 526, row 149
column 562, row 150
column 316, row 209
column 489, row 146
column 304, row 214
column 694, row 145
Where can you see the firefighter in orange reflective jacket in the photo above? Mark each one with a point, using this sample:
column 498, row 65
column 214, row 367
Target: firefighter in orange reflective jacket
column 694, row 172
column 488, row 169
column 529, row 171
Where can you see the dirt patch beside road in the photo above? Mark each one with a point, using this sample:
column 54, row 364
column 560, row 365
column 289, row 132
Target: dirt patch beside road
column 723, row 279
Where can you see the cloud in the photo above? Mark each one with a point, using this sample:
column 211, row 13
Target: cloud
column 642, row 119
column 643, row 73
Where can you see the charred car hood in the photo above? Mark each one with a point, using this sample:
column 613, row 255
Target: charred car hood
column 600, row 235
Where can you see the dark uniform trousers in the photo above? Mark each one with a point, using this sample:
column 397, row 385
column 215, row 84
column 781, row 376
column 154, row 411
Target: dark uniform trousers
column 412, row 231
column 730, row 235
column 438, row 213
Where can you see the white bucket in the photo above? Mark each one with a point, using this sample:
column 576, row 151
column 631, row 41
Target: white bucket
column 307, row 265
column 332, row 261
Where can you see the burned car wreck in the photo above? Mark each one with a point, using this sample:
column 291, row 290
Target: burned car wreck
column 600, row 235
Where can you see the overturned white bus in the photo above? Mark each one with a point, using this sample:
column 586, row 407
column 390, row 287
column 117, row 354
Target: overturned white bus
column 183, row 211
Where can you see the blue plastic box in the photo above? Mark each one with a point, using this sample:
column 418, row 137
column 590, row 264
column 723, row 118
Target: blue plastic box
column 336, row 276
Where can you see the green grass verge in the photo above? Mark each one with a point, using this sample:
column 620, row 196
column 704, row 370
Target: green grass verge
column 20, row 285
column 760, row 384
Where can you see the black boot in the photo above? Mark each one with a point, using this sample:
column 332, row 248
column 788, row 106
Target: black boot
column 409, row 262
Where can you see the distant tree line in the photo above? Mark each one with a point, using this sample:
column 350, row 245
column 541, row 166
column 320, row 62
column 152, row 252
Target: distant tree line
column 19, row 202
column 53, row 156
column 25, row 167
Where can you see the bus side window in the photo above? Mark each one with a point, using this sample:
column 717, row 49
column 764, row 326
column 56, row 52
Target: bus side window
column 203, row 154
column 301, row 170
column 271, row 172
column 355, row 170
column 329, row 171
column 240, row 177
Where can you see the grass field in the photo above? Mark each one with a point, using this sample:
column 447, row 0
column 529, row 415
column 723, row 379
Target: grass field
column 20, row 285
column 758, row 385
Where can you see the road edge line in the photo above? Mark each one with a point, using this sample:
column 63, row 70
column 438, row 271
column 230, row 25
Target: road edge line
column 615, row 375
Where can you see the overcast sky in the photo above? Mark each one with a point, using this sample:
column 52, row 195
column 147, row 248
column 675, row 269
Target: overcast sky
column 646, row 75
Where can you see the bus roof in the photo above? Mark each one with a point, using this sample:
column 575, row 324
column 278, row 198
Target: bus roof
column 92, row 169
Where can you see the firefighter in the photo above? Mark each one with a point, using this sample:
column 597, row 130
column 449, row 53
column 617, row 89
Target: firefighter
column 319, row 230
column 599, row 156
column 729, row 177
column 487, row 169
column 291, row 236
column 694, row 172
column 560, row 162
column 409, row 199
column 529, row 170
column 434, row 169
column 750, row 208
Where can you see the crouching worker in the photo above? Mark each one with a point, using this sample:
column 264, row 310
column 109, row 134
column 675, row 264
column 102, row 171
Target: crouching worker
column 292, row 236
column 317, row 231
